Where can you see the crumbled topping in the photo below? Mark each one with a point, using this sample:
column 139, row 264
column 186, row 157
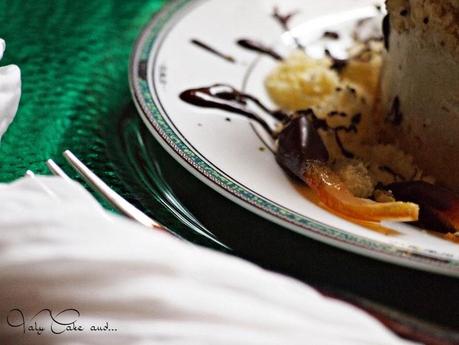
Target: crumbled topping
column 356, row 177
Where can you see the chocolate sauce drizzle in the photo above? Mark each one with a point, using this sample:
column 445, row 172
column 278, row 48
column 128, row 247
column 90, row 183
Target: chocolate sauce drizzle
column 331, row 35
column 284, row 22
column 283, row 19
column 386, row 31
column 337, row 113
column 259, row 47
column 395, row 116
column 337, row 64
column 322, row 124
column 225, row 97
column 346, row 153
column 214, row 51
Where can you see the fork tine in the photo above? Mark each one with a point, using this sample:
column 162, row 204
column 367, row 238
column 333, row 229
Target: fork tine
column 56, row 169
column 31, row 174
column 110, row 195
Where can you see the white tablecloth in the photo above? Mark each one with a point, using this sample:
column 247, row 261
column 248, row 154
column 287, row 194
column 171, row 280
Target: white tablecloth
column 76, row 266
column 10, row 92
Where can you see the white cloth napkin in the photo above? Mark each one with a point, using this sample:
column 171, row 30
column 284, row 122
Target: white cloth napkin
column 10, row 92
column 60, row 250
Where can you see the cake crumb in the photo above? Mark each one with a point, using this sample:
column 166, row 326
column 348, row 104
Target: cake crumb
column 381, row 195
column 356, row 177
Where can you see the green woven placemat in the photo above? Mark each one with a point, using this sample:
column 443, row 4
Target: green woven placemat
column 74, row 59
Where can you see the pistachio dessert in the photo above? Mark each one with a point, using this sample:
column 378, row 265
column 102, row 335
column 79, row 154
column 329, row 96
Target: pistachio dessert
column 380, row 144
column 346, row 98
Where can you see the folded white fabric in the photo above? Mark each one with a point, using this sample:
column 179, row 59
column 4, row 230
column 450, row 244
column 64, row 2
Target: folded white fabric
column 69, row 267
column 10, row 92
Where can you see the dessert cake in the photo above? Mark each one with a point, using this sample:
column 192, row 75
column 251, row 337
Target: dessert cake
column 420, row 84
column 366, row 132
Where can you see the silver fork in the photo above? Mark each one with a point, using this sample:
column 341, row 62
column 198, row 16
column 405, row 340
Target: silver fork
column 116, row 200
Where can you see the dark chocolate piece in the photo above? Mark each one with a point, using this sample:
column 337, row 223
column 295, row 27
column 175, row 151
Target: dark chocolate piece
column 299, row 142
column 438, row 205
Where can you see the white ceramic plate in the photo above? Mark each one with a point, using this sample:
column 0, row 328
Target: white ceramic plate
column 226, row 154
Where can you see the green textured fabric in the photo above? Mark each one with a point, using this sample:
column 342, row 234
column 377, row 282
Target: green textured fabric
column 74, row 59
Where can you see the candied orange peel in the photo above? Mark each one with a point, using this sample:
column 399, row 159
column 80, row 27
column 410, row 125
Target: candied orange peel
column 335, row 195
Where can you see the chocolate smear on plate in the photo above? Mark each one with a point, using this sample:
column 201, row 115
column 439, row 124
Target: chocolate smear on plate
column 225, row 97
column 331, row 34
column 283, row 19
column 214, row 51
column 259, row 47
column 284, row 22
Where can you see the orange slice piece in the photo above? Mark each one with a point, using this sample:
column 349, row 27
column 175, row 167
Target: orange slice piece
column 334, row 194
